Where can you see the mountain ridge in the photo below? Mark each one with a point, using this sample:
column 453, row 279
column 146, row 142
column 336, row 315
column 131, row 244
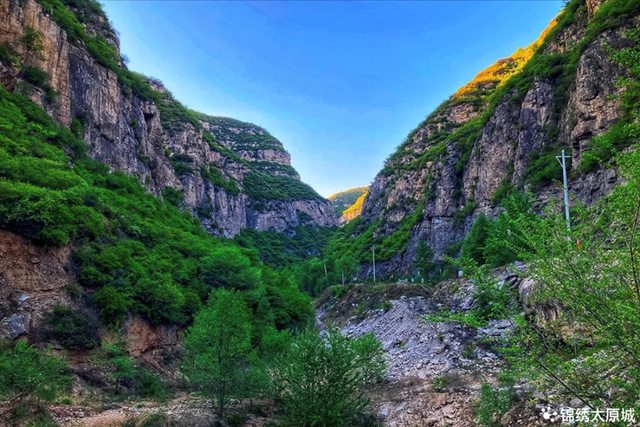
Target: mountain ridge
column 133, row 124
column 496, row 135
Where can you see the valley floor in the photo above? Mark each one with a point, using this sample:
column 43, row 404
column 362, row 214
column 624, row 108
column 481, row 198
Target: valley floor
column 435, row 369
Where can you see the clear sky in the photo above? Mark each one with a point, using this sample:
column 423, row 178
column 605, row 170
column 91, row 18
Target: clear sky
column 339, row 83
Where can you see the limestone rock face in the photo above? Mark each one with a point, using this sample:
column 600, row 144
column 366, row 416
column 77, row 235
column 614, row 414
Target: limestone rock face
column 131, row 134
column 32, row 281
column 453, row 165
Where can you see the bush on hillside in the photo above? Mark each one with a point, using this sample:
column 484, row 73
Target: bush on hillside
column 25, row 373
column 338, row 367
column 72, row 329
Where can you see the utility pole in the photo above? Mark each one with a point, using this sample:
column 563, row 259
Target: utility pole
column 373, row 251
column 562, row 160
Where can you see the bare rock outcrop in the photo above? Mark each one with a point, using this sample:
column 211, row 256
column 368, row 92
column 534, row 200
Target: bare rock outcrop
column 32, row 281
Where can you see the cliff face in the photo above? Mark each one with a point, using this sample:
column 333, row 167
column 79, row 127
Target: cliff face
column 232, row 175
column 495, row 134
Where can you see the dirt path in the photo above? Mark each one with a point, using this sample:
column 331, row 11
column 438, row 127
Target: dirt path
column 118, row 413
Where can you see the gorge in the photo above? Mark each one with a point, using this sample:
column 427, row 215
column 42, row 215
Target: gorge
column 164, row 267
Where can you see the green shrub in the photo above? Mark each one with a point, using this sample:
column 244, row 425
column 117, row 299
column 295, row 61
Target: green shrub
column 461, row 215
column 235, row 420
column 153, row 386
column 473, row 245
column 493, row 404
column 32, row 41
column 113, row 303
column 157, row 419
column 35, row 76
column 603, row 148
column 25, row 372
column 338, row 369
column 228, row 268
column 172, row 196
column 44, row 419
column 8, row 54
column 501, row 192
column 424, row 260
column 469, row 351
column 214, row 176
column 72, row 329
column 543, row 168
column 441, row 383
column 397, row 242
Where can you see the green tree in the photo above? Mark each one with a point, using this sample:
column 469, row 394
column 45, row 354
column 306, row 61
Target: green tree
column 321, row 379
column 227, row 267
column 218, row 347
column 504, row 235
column 589, row 276
column 475, row 242
column 346, row 267
column 424, row 259
column 26, row 373
column 72, row 329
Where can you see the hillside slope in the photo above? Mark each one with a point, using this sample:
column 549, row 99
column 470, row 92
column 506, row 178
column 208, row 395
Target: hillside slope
column 502, row 132
column 342, row 200
column 232, row 175
column 355, row 210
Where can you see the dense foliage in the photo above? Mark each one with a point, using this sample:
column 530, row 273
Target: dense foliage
column 263, row 188
column 321, row 381
column 589, row 276
column 27, row 373
column 135, row 253
column 218, row 347
column 241, row 135
column 284, row 249
column 71, row 328
column 490, row 240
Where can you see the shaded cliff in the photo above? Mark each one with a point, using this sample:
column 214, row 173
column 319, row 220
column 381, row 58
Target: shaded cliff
column 500, row 133
column 231, row 175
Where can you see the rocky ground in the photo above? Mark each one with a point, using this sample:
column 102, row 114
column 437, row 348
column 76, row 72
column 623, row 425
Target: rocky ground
column 435, row 369
column 186, row 410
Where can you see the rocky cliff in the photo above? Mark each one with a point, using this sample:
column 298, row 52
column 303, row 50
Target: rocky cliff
column 501, row 132
column 232, row 175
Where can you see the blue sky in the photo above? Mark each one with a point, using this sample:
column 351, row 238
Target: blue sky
column 339, row 83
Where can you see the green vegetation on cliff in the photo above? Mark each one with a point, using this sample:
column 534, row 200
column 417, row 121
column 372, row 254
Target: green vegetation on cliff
column 263, row 188
column 241, row 135
column 134, row 252
column 290, row 247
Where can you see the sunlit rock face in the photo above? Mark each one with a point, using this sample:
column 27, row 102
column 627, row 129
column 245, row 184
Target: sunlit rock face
column 454, row 165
